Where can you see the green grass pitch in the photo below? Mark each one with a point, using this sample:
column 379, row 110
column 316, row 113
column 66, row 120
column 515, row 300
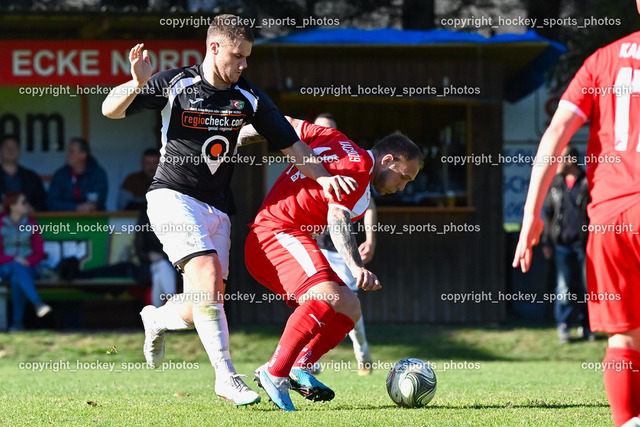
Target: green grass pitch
column 494, row 376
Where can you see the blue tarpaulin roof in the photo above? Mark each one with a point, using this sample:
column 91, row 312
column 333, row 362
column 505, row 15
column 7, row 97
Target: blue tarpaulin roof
column 525, row 81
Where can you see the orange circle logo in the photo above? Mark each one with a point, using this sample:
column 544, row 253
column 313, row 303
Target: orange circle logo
column 216, row 150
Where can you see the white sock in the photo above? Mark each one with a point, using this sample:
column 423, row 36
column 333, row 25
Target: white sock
column 277, row 381
column 633, row 422
column 168, row 317
column 211, row 323
column 359, row 339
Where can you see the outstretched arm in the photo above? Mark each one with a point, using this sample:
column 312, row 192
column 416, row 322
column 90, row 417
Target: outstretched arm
column 249, row 135
column 563, row 125
column 339, row 224
column 120, row 97
column 306, row 162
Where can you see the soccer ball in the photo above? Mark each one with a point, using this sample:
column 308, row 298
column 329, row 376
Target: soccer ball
column 411, row 383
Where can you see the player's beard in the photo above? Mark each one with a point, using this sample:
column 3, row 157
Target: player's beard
column 379, row 180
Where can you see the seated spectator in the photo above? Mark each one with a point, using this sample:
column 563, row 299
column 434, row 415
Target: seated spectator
column 135, row 186
column 14, row 177
column 81, row 184
column 20, row 252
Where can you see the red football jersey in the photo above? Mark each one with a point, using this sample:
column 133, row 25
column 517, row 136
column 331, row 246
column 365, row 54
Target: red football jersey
column 606, row 90
column 298, row 202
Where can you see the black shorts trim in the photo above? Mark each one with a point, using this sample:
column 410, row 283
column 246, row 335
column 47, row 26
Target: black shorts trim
column 193, row 255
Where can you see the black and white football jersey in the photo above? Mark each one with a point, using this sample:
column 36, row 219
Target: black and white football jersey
column 200, row 126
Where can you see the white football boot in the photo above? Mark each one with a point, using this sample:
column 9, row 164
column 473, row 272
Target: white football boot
column 153, row 348
column 236, row 391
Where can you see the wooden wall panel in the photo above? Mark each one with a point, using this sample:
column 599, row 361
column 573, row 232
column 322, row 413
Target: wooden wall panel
column 415, row 269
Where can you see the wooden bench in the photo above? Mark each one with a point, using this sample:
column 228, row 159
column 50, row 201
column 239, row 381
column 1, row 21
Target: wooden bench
column 76, row 290
column 82, row 235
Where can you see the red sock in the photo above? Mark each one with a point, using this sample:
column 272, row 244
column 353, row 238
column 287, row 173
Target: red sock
column 303, row 324
column 328, row 338
column 622, row 383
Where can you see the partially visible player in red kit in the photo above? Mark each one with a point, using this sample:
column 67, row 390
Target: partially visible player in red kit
column 604, row 91
column 281, row 252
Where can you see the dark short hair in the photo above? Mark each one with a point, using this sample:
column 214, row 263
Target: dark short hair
column 6, row 138
column 82, row 143
column 327, row 116
column 573, row 152
column 151, row 152
column 398, row 145
column 229, row 28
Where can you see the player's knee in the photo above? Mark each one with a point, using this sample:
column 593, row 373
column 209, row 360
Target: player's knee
column 348, row 304
column 629, row 339
column 205, row 279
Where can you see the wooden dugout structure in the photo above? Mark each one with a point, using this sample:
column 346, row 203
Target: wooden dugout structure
column 448, row 242
column 444, row 89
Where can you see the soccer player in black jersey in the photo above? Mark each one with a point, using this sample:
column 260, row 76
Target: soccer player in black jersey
column 203, row 108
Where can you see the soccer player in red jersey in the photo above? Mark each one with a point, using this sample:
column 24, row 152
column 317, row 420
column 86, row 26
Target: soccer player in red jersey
column 282, row 254
column 604, row 91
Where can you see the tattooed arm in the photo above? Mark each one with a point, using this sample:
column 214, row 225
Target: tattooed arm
column 339, row 223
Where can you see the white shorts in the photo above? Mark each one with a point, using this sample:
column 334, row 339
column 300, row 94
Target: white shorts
column 187, row 227
column 338, row 265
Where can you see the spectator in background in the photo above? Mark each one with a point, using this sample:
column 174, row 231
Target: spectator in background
column 154, row 264
column 366, row 249
column 154, row 260
column 20, row 252
column 81, row 184
column 14, row 177
column 135, row 186
column 565, row 235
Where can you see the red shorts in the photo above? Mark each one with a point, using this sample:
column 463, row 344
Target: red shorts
column 613, row 273
column 286, row 261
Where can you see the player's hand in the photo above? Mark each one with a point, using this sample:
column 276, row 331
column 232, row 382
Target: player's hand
column 86, row 207
column 529, row 237
column 21, row 261
column 366, row 280
column 337, row 185
column 366, row 250
column 154, row 256
column 547, row 251
column 140, row 64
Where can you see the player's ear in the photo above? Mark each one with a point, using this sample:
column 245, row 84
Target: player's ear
column 214, row 47
column 387, row 159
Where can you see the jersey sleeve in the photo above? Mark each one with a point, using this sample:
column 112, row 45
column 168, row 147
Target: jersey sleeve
column 357, row 201
column 154, row 95
column 270, row 123
column 579, row 96
column 322, row 138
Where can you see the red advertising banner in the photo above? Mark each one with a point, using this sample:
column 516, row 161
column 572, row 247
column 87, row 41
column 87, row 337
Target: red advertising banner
column 87, row 63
